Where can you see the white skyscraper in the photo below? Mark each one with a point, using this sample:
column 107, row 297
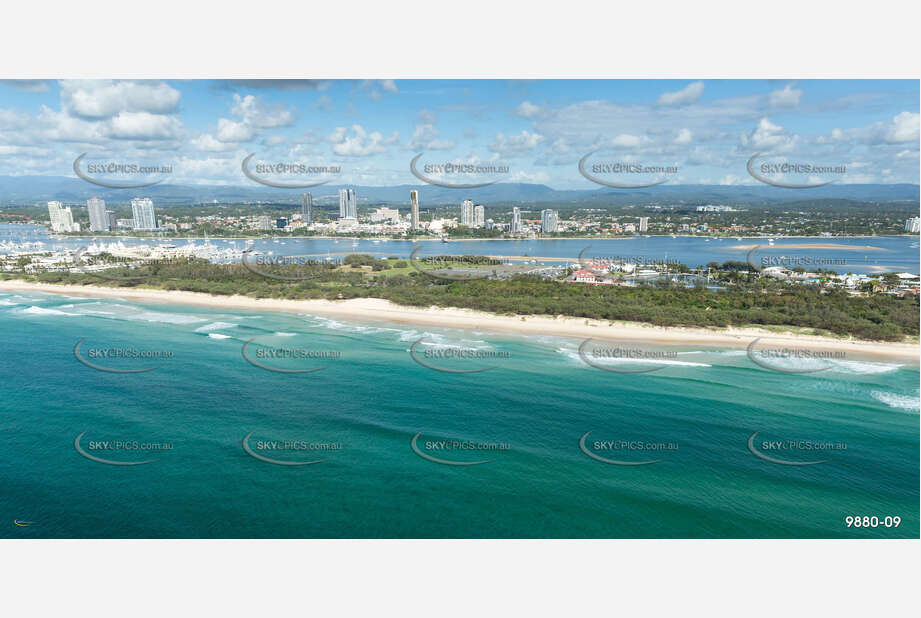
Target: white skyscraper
column 414, row 210
column 644, row 224
column 479, row 216
column 348, row 204
column 549, row 221
column 913, row 225
column 343, row 203
column 142, row 209
column 515, row 227
column 99, row 218
column 466, row 217
column 307, row 208
column 62, row 219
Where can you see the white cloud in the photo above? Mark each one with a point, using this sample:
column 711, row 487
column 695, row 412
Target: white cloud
column 628, row 141
column 145, row 126
column 515, row 144
column 769, row 136
column 686, row 95
column 101, row 99
column 255, row 113
column 360, row 143
column 274, row 140
column 701, row 156
column 684, row 137
column 788, row 97
column 904, row 128
column 527, row 110
column 426, row 135
column 559, row 146
column 207, row 143
column 11, row 119
column 374, row 87
column 230, row 131
column 59, row 126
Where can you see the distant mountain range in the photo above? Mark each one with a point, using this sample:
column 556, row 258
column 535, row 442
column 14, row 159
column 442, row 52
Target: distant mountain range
column 36, row 189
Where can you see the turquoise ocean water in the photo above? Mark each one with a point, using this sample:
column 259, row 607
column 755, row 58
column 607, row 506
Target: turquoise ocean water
column 361, row 409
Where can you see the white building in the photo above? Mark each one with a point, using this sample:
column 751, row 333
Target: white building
column 264, row 223
column 644, row 224
column 515, row 227
column 348, row 204
column 414, row 210
column 479, row 216
column 385, row 214
column 913, row 225
column 99, row 218
column 307, row 208
column 437, row 226
column 466, row 217
column 714, row 208
column 142, row 210
column 62, row 219
column 549, row 221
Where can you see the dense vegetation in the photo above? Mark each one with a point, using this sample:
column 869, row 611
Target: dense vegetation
column 749, row 302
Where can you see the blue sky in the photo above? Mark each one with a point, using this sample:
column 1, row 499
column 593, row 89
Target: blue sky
column 539, row 129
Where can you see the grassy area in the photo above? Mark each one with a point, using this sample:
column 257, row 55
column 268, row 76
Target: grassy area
column 758, row 302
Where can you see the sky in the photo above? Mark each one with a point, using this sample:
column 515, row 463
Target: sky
column 539, row 130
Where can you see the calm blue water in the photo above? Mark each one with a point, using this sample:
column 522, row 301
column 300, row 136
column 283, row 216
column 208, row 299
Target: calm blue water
column 373, row 398
column 888, row 253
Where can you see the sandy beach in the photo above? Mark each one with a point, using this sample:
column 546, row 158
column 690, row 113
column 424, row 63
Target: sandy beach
column 374, row 309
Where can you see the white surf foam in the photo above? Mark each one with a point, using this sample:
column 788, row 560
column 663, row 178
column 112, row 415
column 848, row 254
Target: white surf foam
column 894, row 400
column 214, row 326
column 169, row 318
column 574, row 355
column 35, row 310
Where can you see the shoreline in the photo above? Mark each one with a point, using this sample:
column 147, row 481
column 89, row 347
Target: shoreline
column 375, row 309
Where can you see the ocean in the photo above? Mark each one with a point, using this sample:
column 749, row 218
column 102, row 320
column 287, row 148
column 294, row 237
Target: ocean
column 381, row 414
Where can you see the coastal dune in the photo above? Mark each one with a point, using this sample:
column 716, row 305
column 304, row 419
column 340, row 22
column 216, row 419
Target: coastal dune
column 375, row 309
